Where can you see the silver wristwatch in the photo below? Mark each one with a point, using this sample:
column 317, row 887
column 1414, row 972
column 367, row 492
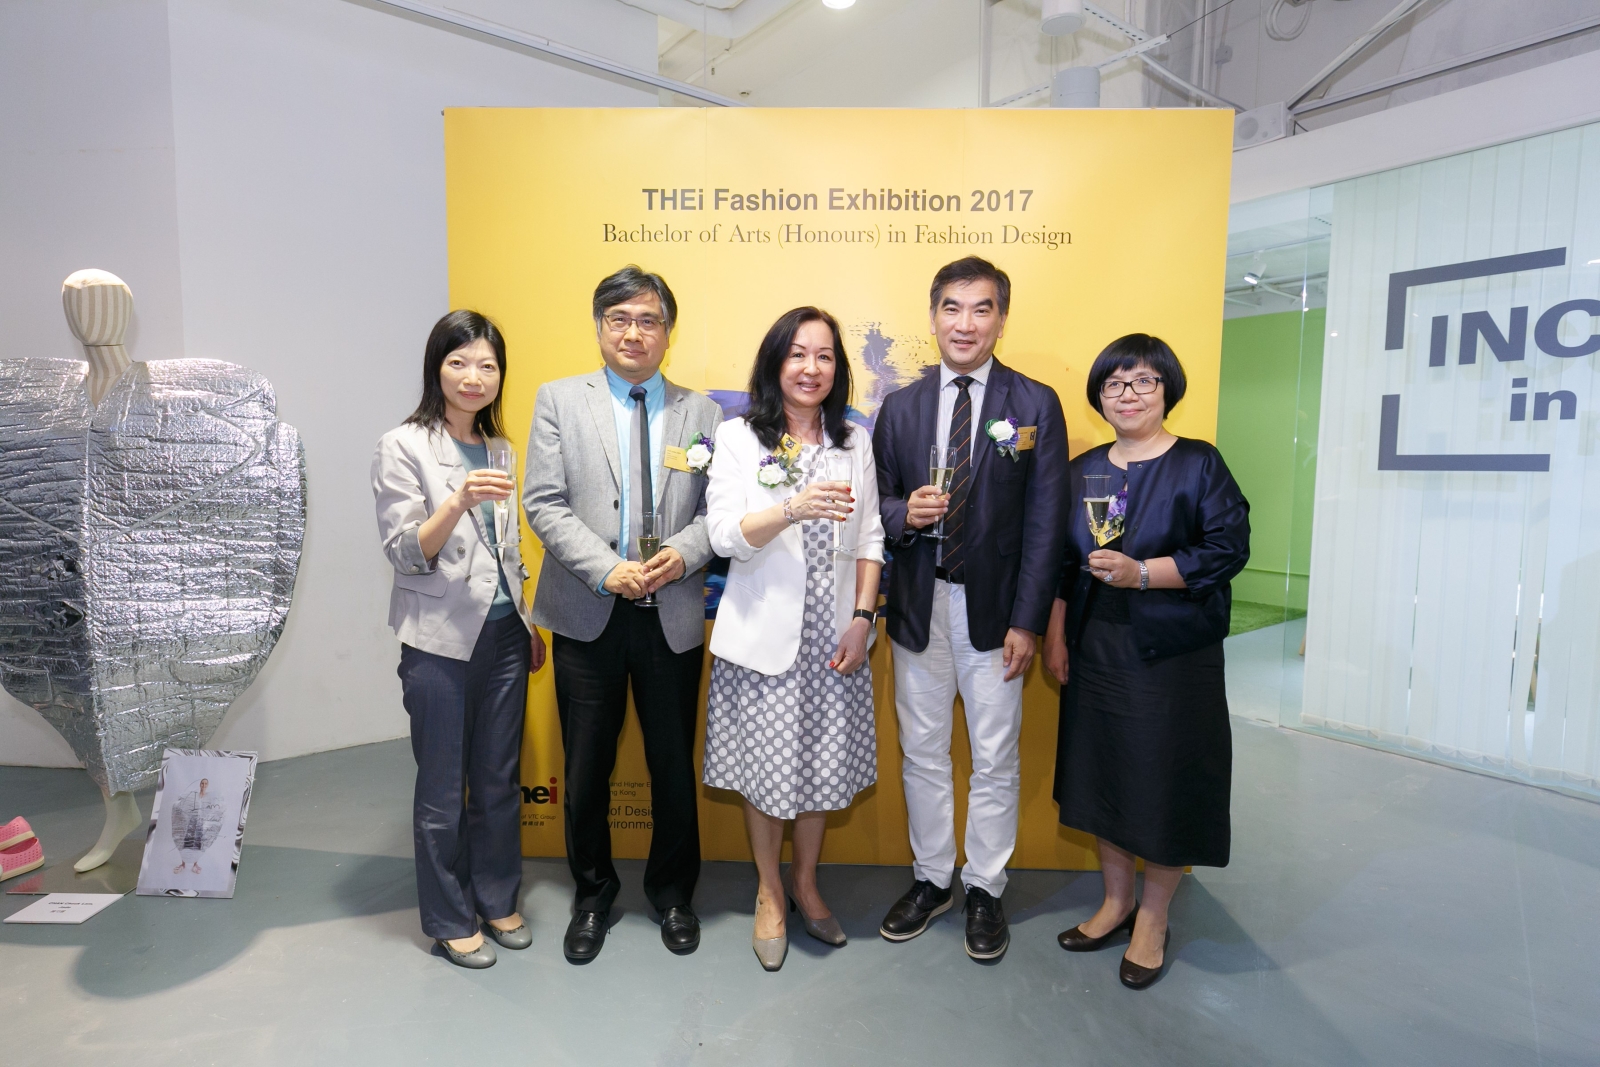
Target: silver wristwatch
column 1144, row 576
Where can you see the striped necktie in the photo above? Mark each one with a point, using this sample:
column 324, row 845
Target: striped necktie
column 953, row 552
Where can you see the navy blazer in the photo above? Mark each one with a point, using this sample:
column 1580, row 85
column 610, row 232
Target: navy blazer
column 1016, row 510
column 1184, row 504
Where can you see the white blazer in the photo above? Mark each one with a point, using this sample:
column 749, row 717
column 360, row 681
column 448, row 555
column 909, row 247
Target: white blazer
column 763, row 605
column 439, row 605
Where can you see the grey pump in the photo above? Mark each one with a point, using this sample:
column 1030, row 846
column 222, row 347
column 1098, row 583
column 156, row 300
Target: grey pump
column 770, row 950
column 828, row 930
column 519, row 938
column 478, row 959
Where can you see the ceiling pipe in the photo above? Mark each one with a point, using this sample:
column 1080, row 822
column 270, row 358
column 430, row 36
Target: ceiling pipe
column 719, row 18
column 1069, row 15
column 535, row 43
column 1417, row 74
column 1355, row 48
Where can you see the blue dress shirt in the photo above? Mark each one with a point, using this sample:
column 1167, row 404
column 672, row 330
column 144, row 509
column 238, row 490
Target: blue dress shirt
column 622, row 409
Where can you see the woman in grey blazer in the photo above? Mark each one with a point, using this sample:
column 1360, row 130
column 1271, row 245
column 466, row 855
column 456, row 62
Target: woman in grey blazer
column 467, row 642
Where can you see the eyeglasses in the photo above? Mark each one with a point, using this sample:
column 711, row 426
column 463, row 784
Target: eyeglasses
column 617, row 322
column 1142, row 386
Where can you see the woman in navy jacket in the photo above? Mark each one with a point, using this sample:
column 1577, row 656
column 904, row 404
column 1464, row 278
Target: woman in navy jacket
column 1144, row 757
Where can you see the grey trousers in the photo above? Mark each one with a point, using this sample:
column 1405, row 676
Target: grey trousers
column 466, row 735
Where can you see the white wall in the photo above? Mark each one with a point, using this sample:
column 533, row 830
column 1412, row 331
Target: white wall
column 269, row 179
column 1552, row 97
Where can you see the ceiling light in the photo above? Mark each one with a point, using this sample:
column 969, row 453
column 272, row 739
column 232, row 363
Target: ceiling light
column 1252, row 278
column 1061, row 18
column 838, row 5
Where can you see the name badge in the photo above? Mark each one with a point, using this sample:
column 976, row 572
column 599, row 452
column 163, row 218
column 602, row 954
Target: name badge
column 675, row 459
column 1026, row 435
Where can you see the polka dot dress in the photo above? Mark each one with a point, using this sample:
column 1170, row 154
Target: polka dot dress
column 803, row 740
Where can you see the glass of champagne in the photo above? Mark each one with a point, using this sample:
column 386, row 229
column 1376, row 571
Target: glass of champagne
column 505, row 461
column 941, row 469
column 839, row 466
column 1096, row 504
column 649, row 545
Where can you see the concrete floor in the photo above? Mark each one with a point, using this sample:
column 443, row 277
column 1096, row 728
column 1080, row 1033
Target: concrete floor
column 1378, row 910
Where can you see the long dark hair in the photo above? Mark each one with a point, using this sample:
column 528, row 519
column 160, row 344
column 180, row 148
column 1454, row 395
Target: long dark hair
column 456, row 330
column 765, row 414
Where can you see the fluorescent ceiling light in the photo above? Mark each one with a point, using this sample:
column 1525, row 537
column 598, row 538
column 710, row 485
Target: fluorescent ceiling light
column 839, row 5
column 1252, row 278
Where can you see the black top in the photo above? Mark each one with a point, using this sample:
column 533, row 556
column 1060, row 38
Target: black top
column 1016, row 510
column 1184, row 504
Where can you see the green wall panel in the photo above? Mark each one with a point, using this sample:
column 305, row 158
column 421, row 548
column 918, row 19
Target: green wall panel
column 1271, row 393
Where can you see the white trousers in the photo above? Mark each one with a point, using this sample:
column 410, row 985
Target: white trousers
column 926, row 684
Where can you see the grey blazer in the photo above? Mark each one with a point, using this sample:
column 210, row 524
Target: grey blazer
column 439, row 604
column 570, row 491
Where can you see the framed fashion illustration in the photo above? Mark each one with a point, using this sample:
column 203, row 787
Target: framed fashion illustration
column 197, row 823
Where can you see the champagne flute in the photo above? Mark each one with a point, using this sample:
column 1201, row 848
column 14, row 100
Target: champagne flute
column 1097, row 505
column 941, row 469
column 649, row 545
column 505, row 461
column 838, row 466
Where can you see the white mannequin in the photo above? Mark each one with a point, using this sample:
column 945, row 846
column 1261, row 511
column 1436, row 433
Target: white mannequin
column 98, row 305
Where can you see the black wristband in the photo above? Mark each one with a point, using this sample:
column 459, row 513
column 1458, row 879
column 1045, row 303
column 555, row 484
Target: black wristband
column 865, row 613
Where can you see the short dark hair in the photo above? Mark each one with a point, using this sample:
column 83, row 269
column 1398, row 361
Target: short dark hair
column 457, row 330
column 765, row 415
column 1126, row 353
column 630, row 282
column 971, row 269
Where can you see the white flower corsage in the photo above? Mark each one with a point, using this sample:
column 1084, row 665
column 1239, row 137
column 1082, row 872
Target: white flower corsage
column 698, row 454
column 1003, row 432
column 782, row 466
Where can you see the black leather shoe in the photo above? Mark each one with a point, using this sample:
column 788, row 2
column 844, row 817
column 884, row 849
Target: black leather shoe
column 585, row 934
column 912, row 913
column 988, row 937
column 680, row 929
column 1075, row 940
column 1136, row 977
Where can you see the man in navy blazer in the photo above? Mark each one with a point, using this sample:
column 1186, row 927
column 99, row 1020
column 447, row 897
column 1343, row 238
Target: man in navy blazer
column 968, row 599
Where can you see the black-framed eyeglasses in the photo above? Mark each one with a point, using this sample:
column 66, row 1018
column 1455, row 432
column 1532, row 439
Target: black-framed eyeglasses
column 617, row 322
column 1114, row 388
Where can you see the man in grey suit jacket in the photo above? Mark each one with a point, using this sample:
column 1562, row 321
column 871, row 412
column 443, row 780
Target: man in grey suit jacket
column 609, row 457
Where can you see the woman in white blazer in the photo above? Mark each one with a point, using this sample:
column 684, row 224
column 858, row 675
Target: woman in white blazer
column 467, row 643
column 789, row 721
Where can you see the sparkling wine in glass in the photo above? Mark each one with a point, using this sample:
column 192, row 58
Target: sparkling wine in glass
column 941, row 469
column 840, row 467
column 649, row 545
column 1097, row 505
column 504, row 461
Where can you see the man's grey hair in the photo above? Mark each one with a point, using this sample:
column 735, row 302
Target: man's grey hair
column 630, row 282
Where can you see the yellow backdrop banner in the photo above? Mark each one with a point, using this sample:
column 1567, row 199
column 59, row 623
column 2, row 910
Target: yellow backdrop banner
column 1108, row 222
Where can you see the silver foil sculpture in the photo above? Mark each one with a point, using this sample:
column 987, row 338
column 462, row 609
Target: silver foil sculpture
column 151, row 519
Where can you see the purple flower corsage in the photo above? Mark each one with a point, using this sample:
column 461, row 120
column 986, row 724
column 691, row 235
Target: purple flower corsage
column 1004, row 434
column 698, row 455
column 1116, row 514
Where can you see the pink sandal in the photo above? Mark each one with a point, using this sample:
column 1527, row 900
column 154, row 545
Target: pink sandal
column 15, row 832
column 21, row 858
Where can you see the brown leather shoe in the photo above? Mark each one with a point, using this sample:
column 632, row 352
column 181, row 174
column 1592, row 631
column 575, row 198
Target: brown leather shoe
column 1136, row 977
column 1075, row 940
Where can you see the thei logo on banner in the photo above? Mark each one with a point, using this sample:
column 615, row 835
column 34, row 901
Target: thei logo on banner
column 541, row 794
column 1508, row 346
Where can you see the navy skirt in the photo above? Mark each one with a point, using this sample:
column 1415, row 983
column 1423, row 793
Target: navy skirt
column 1144, row 758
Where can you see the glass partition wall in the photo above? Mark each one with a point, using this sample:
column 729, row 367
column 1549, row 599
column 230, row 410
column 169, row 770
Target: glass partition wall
column 1408, row 400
